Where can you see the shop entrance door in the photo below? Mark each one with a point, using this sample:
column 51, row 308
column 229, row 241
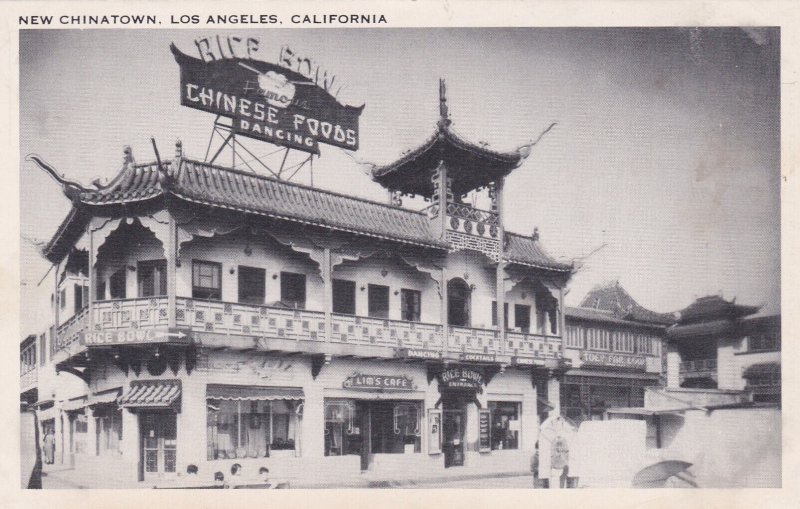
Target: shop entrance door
column 159, row 444
column 453, row 426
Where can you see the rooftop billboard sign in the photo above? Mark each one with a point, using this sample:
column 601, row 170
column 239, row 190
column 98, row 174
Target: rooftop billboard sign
column 267, row 102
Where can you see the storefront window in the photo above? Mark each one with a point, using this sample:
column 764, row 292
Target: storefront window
column 505, row 425
column 250, row 429
column 342, row 428
column 394, row 427
column 109, row 429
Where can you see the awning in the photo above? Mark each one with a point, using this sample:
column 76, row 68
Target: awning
column 612, row 374
column 253, row 393
column 647, row 411
column 105, row 397
column 74, row 404
column 151, row 394
column 761, row 369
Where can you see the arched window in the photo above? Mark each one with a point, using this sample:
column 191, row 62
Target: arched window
column 458, row 302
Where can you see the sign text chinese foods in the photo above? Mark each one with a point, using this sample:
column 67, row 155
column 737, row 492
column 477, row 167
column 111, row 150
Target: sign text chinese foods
column 613, row 359
column 265, row 101
column 381, row 382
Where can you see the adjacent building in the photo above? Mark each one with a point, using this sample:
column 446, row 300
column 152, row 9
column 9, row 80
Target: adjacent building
column 615, row 347
column 212, row 316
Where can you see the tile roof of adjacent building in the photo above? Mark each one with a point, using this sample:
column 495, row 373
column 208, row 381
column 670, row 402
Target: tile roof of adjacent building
column 233, row 189
column 614, row 298
column 714, row 307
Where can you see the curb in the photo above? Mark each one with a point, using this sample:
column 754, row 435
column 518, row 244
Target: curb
column 401, row 483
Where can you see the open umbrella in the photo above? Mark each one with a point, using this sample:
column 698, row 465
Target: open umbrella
column 656, row 476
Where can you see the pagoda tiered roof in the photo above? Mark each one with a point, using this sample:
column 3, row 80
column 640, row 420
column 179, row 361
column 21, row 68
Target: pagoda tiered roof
column 218, row 187
column 613, row 298
column 470, row 165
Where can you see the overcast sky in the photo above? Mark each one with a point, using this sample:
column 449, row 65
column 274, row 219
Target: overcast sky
column 666, row 149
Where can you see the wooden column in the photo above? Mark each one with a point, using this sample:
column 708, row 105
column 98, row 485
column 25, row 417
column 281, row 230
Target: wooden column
column 562, row 323
column 56, row 301
column 171, row 254
column 444, row 317
column 327, row 282
column 500, row 290
column 92, row 278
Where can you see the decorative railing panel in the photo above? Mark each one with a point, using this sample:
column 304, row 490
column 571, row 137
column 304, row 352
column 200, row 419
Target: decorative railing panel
column 249, row 320
column 469, row 340
column 70, row 331
column 534, row 345
column 28, row 380
column 383, row 332
column 141, row 313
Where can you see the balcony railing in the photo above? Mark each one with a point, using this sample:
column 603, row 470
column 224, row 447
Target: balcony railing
column 28, row 379
column 363, row 330
column 250, row 320
column 70, row 331
column 229, row 318
column 698, row 366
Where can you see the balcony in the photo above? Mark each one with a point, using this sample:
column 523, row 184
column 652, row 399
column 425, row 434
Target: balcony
column 246, row 326
column 28, row 380
column 698, row 368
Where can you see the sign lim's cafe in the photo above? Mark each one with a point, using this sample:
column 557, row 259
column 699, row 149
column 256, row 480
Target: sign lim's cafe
column 229, row 317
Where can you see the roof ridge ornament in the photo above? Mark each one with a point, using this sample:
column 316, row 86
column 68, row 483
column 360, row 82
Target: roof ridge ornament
column 525, row 150
column 444, row 115
column 71, row 188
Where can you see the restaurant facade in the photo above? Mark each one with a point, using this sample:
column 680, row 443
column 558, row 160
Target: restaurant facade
column 214, row 316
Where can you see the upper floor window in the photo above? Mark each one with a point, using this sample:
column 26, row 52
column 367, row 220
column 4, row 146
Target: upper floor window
column 494, row 313
column 623, row 341
column 42, row 349
column 597, row 339
column 769, row 341
column 459, row 299
column 117, row 284
column 62, row 298
column 152, row 278
column 344, row 296
column 206, row 280
column 252, row 285
column 81, row 297
column 378, row 296
column 293, row 290
column 574, row 336
column 410, row 305
column 522, row 317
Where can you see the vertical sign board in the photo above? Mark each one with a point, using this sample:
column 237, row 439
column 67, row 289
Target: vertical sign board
column 268, row 102
column 485, row 429
column 434, row 431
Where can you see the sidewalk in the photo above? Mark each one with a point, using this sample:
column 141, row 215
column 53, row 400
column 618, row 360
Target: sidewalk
column 65, row 477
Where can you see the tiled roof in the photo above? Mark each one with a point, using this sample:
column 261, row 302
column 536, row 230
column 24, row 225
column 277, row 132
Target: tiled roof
column 527, row 251
column 613, row 297
column 713, row 307
column 232, row 189
column 595, row 315
column 702, row 329
column 151, row 394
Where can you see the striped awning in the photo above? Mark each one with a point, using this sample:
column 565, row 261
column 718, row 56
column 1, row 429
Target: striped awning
column 152, row 394
column 253, row 393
